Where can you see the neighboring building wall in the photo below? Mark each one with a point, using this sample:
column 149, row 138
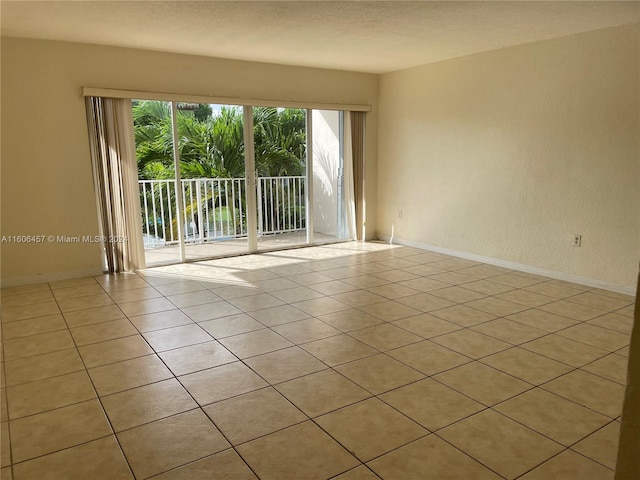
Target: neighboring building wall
column 506, row 154
column 47, row 186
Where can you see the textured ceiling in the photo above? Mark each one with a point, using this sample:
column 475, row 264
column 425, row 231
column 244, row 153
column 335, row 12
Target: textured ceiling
column 367, row 36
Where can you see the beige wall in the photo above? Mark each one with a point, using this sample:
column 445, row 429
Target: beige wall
column 46, row 173
column 507, row 154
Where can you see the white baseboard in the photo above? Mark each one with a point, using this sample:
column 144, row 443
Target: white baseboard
column 50, row 277
column 589, row 282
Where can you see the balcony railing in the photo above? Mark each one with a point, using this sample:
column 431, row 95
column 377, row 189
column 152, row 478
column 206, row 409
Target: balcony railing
column 215, row 208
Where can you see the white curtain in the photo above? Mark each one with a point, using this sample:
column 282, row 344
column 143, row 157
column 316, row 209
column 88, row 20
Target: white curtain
column 115, row 172
column 357, row 138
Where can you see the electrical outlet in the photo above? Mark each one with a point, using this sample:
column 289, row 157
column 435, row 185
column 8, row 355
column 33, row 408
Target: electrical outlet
column 577, row 240
column 399, row 215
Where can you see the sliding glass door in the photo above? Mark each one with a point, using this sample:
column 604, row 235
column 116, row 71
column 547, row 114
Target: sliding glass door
column 204, row 194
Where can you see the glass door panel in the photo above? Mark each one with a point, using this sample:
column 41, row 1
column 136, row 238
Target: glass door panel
column 213, row 181
column 328, row 189
column 280, row 163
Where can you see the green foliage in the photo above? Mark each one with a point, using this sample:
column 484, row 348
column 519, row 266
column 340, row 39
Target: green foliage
column 212, row 146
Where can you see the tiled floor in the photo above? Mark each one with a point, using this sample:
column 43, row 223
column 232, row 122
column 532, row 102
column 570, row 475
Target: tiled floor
column 351, row 361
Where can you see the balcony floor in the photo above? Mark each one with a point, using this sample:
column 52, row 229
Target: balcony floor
column 171, row 254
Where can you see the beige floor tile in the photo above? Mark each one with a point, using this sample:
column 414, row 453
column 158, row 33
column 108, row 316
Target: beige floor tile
column 366, row 281
column 37, row 345
column 5, row 473
column 121, row 281
column 352, row 319
column 12, row 314
column 509, row 331
column 320, row 306
column 609, row 293
column 191, row 299
column 370, row 428
column 144, row 307
column 613, row 321
column 526, row 365
column 359, row 298
column 379, row 373
column 236, row 291
column 35, row 326
column 297, row 294
column 220, row 383
column 503, row 445
column 431, row 404
column 429, row 457
column 358, row 473
column 177, row 288
column 426, row 325
column 526, row 297
column 565, row 350
column 487, row 287
column 385, row 337
column 5, row 445
column 626, row 311
column 470, row 343
column 596, row 336
column 255, row 343
column 624, row 352
column 496, row 306
column 601, row 302
column 253, row 415
column 283, row 365
column 425, row 302
column 98, row 460
column 72, row 282
column 454, row 278
column 333, row 287
column 42, row 395
column 196, row 357
column 553, row 290
column 176, row 337
column 424, row 284
column 322, row 392
column 101, row 332
column 275, row 284
column 211, row 311
column 569, row 466
column 278, row 315
column 555, row 417
column 338, row 349
column 482, row 383
column 393, row 291
column 464, row 316
column 457, row 294
column 612, row 367
column 134, row 294
column 231, row 325
column 601, row 446
column 428, row 357
column 303, row 451
column 307, row 330
column 93, row 315
column 27, row 298
column 542, row 320
column 517, row 280
column 4, row 412
column 590, row 391
column 25, row 289
column 136, row 372
column 572, row 310
column 310, row 278
column 227, row 464
column 255, row 302
column 390, row 310
column 171, row 442
column 82, row 303
column 141, row 405
column 55, row 430
column 39, row 367
column 111, row 351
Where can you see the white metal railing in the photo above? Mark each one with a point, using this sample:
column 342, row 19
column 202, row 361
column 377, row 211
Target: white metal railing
column 215, row 208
